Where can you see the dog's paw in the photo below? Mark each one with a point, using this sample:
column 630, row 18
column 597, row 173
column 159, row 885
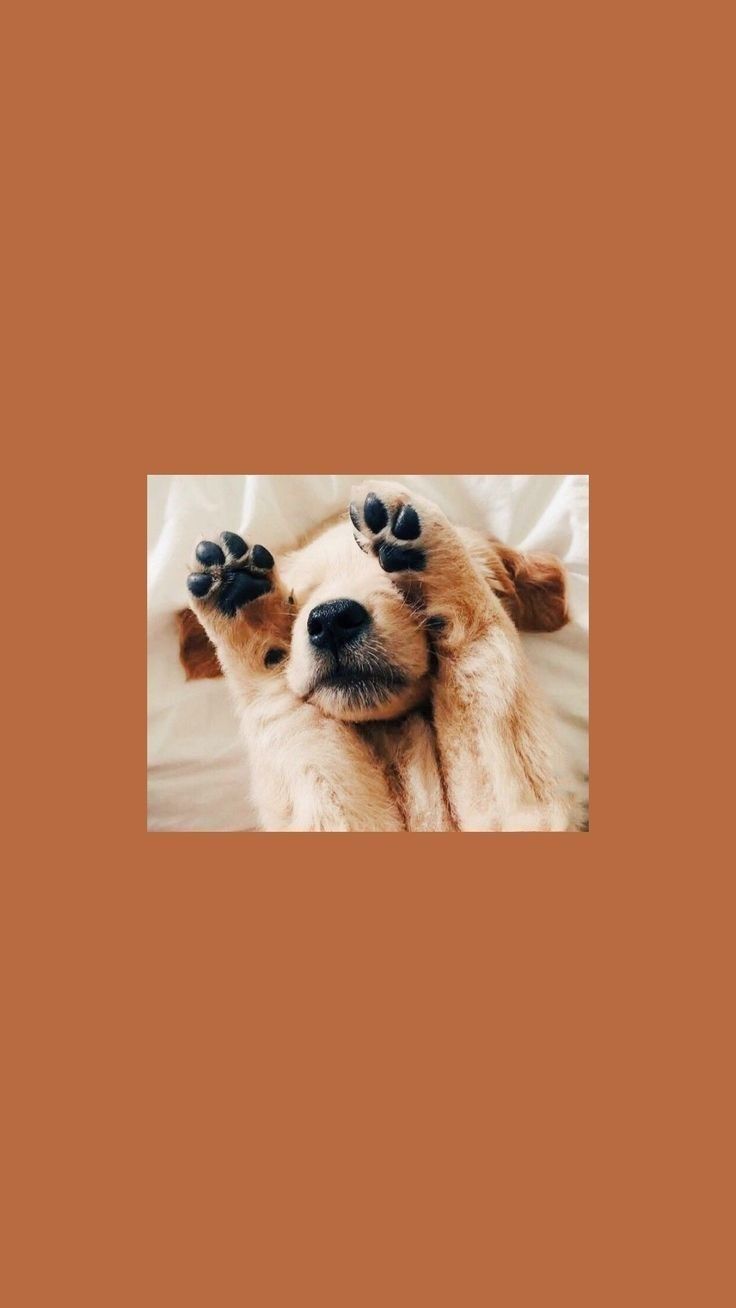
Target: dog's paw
column 230, row 574
column 392, row 524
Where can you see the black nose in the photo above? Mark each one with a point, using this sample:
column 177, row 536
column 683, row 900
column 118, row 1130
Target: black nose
column 334, row 624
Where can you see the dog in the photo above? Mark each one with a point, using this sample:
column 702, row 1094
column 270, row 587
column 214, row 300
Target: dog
column 377, row 671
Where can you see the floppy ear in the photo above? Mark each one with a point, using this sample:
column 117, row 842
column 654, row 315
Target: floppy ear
column 196, row 651
column 531, row 587
column 537, row 599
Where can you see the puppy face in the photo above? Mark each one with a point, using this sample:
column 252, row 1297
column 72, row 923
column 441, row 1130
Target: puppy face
column 359, row 651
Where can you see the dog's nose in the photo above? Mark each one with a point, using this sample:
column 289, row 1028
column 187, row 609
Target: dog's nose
column 335, row 623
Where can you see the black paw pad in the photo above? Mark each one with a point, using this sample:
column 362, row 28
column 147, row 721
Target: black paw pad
column 239, row 588
column 374, row 512
column 260, row 557
column 406, row 523
column 395, row 559
column 354, row 516
column 209, row 554
column 229, row 583
column 234, row 544
column 198, row 583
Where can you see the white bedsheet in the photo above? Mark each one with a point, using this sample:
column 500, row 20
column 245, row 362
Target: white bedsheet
column 197, row 771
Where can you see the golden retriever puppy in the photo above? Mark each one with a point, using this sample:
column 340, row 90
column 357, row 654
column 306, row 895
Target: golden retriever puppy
column 378, row 675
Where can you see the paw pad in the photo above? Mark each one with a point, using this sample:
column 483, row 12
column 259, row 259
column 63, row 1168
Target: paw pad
column 393, row 531
column 209, row 554
column 235, row 545
column 406, row 523
column 230, row 574
column 375, row 512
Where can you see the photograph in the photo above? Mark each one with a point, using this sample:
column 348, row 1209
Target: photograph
column 356, row 653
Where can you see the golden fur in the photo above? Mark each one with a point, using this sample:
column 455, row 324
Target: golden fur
column 452, row 737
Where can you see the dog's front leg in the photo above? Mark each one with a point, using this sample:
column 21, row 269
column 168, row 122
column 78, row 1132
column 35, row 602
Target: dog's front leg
column 236, row 593
column 324, row 775
column 491, row 735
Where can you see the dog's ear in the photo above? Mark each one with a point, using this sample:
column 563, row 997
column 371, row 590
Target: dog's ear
column 196, row 651
column 531, row 587
column 536, row 598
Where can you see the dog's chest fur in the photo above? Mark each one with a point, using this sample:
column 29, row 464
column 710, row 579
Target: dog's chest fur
column 407, row 753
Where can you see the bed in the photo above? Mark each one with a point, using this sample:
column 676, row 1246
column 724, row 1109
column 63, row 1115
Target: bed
column 197, row 769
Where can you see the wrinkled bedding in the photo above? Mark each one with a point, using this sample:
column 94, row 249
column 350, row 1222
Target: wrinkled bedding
column 197, row 769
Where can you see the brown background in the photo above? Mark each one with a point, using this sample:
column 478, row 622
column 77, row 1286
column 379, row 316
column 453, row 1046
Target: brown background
column 365, row 1070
